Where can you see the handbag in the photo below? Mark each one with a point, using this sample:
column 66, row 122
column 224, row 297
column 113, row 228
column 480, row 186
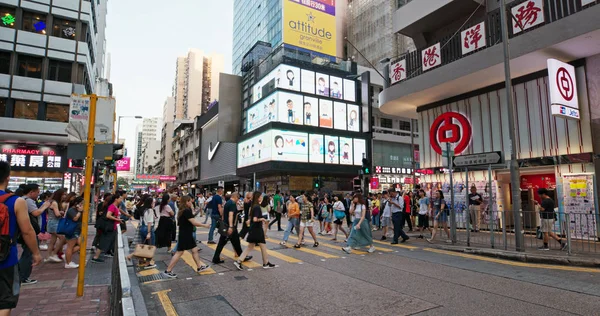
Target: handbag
column 324, row 212
column 66, row 226
column 144, row 251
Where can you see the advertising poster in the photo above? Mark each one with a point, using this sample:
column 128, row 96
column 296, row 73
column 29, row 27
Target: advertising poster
column 360, row 147
column 290, row 108
column 308, row 81
column 255, row 150
column 578, row 197
column 339, row 116
column 346, row 152
column 335, row 89
column 290, row 146
column 263, row 112
column 311, row 111
column 317, row 150
column 325, row 113
column 349, row 90
column 322, row 84
column 353, row 118
column 310, row 25
column 123, row 164
column 269, row 80
column 332, row 153
column 288, row 77
column 79, row 114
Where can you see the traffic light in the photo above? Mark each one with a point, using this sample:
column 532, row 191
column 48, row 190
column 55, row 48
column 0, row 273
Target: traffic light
column 316, row 183
column 366, row 166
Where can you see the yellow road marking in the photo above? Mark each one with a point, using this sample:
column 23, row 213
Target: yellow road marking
column 278, row 255
column 148, row 272
column 513, row 263
column 400, row 246
column 166, row 303
column 313, row 252
column 189, row 259
column 230, row 254
column 358, row 252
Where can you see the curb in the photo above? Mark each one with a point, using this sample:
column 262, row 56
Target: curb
column 526, row 257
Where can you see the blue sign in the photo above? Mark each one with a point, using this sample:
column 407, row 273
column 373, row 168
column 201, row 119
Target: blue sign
column 39, row 26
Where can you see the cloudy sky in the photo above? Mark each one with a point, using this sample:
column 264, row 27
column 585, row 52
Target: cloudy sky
column 145, row 37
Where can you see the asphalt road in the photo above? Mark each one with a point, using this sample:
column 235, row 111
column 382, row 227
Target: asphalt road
column 410, row 279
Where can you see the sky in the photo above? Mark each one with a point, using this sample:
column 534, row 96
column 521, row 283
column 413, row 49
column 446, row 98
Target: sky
column 145, row 37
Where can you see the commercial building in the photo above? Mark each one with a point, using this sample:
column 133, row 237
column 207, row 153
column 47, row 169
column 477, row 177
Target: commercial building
column 454, row 85
column 149, row 130
column 166, row 151
column 149, row 157
column 48, row 50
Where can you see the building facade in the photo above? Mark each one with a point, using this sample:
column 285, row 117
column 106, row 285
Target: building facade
column 149, row 130
column 150, row 157
column 48, row 51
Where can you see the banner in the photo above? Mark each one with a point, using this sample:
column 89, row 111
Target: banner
column 162, row 178
column 79, row 116
column 123, row 164
column 310, row 25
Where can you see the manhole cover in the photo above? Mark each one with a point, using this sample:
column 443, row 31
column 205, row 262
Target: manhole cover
column 240, row 278
column 152, row 277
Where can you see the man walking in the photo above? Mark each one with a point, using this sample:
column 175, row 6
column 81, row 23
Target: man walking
column 347, row 203
column 217, row 212
column 207, row 208
column 31, row 194
column 397, row 204
column 230, row 219
column 547, row 220
column 278, row 206
column 475, row 201
column 247, row 206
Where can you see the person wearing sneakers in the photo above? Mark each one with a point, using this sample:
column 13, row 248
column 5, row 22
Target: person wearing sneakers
column 186, row 240
column 74, row 213
column 360, row 235
column 230, row 218
column 438, row 205
column 31, row 193
column 547, row 217
column 424, row 210
column 293, row 215
column 386, row 214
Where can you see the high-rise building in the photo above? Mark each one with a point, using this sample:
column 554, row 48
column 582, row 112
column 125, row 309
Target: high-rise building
column 48, row 51
column 149, row 130
column 150, row 156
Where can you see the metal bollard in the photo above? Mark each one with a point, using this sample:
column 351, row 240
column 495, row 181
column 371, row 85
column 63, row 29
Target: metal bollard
column 568, row 224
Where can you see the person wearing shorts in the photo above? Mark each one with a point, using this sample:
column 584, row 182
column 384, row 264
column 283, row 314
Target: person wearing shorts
column 438, row 205
column 423, row 213
column 307, row 213
column 386, row 214
column 547, row 220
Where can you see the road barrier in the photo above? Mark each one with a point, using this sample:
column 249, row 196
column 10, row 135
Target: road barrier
column 121, row 302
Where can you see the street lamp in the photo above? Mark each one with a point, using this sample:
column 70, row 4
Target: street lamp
column 137, row 117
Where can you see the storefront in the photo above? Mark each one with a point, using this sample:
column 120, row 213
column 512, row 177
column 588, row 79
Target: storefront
column 392, row 163
column 40, row 164
column 554, row 151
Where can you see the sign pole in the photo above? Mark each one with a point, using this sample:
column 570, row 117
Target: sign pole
column 89, row 164
column 468, row 212
column 452, row 213
column 491, row 199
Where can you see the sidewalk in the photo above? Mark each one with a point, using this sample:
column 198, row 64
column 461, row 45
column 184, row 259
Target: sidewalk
column 55, row 292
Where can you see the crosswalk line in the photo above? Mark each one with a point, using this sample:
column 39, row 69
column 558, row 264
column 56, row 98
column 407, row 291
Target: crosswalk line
column 358, row 252
column 148, row 272
column 398, row 245
column 166, row 303
column 278, row 255
column 189, row 260
column 307, row 250
column 231, row 255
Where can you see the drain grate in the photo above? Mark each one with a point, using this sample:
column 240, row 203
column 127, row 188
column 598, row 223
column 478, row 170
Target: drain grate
column 240, row 278
column 152, row 277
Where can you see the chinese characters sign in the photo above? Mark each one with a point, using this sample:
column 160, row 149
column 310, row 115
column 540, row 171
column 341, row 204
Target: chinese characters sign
column 398, row 71
column 563, row 89
column 527, row 15
column 431, row 57
column 33, row 158
column 473, row 38
column 392, row 170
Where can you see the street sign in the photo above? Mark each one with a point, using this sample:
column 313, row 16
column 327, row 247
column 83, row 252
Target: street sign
column 490, row 158
column 221, row 183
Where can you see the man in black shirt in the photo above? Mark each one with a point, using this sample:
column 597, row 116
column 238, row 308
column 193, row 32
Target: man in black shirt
column 229, row 220
column 547, row 220
column 247, row 206
column 475, row 201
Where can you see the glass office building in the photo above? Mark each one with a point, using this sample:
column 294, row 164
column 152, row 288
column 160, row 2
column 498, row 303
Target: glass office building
column 254, row 21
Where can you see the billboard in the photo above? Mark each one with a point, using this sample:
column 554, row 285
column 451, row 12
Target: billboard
column 79, row 116
column 310, row 25
column 123, row 164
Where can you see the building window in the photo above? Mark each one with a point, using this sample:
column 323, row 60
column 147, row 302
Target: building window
column 2, row 107
column 64, row 28
column 404, row 126
column 30, row 66
column 83, row 34
column 26, row 110
column 7, row 17
column 60, row 71
column 387, row 123
column 4, row 62
column 57, row 113
column 34, row 22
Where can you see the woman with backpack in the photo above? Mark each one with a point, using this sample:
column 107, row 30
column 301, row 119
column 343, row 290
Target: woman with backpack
column 165, row 223
column 339, row 212
column 360, row 236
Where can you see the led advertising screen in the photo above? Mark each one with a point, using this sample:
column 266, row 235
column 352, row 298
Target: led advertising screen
column 317, row 149
column 322, row 84
column 335, row 87
column 346, row 152
column 255, row 150
column 360, row 147
column 350, row 90
column 332, row 153
column 311, row 111
column 289, row 146
column 291, row 108
column 288, row 77
column 308, row 81
column 353, row 118
column 325, row 113
column 262, row 113
column 339, row 115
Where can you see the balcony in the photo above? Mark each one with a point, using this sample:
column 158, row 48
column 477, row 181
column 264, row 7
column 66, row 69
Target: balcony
column 568, row 32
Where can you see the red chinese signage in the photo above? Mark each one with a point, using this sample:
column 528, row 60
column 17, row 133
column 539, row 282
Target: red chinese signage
column 398, row 71
column 527, row 15
column 33, row 158
column 431, row 57
column 473, row 38
column 453, row 128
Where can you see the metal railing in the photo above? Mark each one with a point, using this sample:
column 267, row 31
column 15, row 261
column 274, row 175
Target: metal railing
column 121, row 302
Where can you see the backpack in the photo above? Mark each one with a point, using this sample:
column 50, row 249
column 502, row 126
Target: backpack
column 5, row 241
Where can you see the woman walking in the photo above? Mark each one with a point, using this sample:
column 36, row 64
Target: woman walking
column 165, row 223
column 339, row 212
column 107, row 240
column 256, row 234
column 438, row 205
column 55, row 212
column 265, row 208
column 424, row 210
column 360, row 236
column 186, row 241
column 293, row 214
column 146, row 230
column 307, row 214
column 74, row 214
column 375, row 206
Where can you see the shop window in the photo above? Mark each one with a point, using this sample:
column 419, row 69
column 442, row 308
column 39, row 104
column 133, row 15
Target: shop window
column 59, row 71
column 4, row 62
column 387, row 123
column 57, row 113
column 34, row 22
column 64, row 28
column 8, row 17
column 2, row 107
column 26, row 109
column 30, row 66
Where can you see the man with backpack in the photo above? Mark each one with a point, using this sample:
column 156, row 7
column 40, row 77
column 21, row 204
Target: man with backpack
column 31, row 193
column 14, row 220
